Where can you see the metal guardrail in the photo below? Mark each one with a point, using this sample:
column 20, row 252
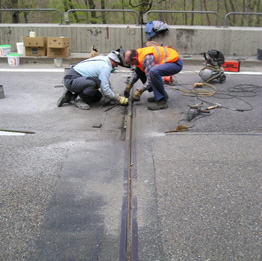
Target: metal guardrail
column 137, row 16
column 145, row 16
column 36, row 10
column 238, row 13
column 66, row 14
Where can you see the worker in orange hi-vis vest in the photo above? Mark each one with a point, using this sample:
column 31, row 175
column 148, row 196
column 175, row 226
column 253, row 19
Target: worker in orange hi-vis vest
column 152, row 63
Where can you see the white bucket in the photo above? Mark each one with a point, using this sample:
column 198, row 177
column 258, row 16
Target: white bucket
column 58, row 62
column 20, row 48
column 13, row 59
column 32, row 34
column 5, row 50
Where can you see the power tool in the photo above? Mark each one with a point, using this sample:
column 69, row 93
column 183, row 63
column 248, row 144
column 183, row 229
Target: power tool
column 169, row 80
column 199, row 85
column 195, row 110
column 213, row 66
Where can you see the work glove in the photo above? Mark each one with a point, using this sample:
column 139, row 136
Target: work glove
column 137, row 95
column 127, row 90
column 121, row 100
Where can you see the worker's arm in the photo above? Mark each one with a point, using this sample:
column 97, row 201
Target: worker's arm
column 148, row 63
column 105, row 85
column 106, row 88
column 134, row 78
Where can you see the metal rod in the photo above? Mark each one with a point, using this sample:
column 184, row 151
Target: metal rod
column 238, row 13
column 101, row 10
column 193, row 12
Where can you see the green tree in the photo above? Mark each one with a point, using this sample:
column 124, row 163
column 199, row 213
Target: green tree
column 141, row 6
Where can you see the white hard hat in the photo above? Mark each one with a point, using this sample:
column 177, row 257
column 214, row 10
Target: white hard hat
column 114, row 55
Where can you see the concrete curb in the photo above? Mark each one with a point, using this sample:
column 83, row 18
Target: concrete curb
column 187, row 59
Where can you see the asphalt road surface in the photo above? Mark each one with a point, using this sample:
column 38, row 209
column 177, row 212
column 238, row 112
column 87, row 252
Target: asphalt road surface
column 110, row 184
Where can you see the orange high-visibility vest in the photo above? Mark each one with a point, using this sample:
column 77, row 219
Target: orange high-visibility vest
column 161, row 55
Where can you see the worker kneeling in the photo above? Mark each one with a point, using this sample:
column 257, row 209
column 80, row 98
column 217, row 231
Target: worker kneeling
column 152, row 63
column 84, row 81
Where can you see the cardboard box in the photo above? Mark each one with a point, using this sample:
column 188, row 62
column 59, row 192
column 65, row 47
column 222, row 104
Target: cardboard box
column 35, row 51
column 58, row 52
column 231, row 66
column 58, row 42
column 35, row 41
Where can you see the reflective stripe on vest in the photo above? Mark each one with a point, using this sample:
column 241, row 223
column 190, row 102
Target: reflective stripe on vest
column 158, row 54
column 161, row 55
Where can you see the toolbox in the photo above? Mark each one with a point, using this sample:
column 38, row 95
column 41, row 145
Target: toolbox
column 231, row 66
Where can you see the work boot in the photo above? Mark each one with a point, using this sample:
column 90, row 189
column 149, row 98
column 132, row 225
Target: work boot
column 66, row 98
column 152, row 99
column 79, row 103
column 159, row 105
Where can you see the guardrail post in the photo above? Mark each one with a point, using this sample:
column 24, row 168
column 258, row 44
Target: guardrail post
column 66, row 18
column 237, row 13
column 145, row 18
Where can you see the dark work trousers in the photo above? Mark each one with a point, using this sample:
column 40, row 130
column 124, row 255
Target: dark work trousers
column 156, row 74
column 85, row 87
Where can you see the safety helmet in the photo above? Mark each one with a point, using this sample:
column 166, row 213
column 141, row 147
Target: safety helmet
column 114, row 55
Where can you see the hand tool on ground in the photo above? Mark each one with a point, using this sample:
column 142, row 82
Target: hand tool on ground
column 195, row 110
column 111, row 107
column 216, row 105
column 199, row 85
column 179, row 128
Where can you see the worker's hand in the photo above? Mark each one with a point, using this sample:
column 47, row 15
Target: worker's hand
column 137, row 95
column 121, row 100
column 127, row 90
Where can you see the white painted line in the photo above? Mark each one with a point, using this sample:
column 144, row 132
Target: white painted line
column 9, row 133
column 60, row 70
column 227, row 73
column 32, row 70
column 244, row 73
